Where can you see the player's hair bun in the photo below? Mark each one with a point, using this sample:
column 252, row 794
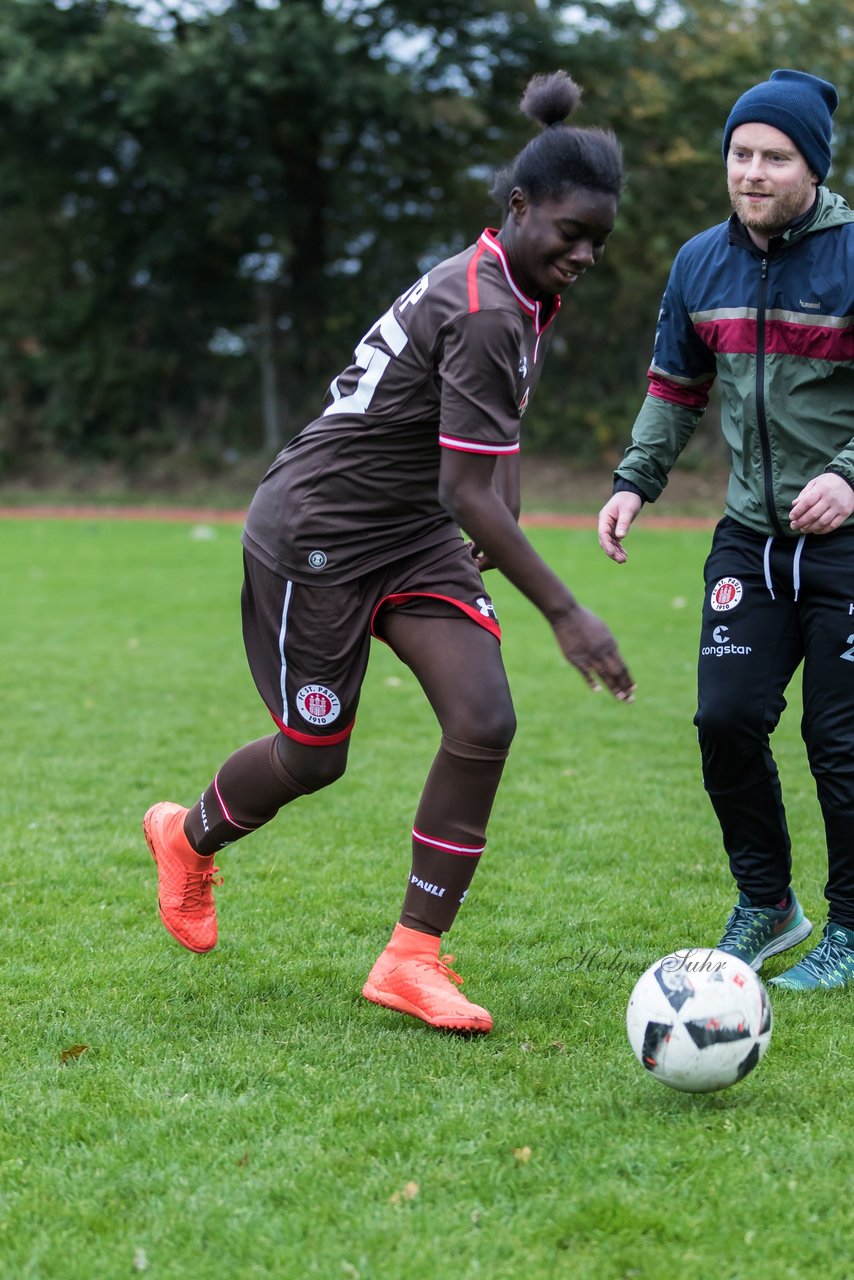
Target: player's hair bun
column 550, row 99
column 562, row 157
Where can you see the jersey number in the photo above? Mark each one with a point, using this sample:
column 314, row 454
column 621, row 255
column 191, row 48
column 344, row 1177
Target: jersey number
column 848, row 655
column 372, row 360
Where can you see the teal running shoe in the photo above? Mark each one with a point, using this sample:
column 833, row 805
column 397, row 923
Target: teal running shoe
column 755, row 933
column 830, row 964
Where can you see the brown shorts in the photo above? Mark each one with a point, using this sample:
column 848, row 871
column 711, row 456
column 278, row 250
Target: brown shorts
column 308, row 645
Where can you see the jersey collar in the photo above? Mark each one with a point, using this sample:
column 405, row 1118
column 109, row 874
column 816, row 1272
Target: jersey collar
column 542, row 317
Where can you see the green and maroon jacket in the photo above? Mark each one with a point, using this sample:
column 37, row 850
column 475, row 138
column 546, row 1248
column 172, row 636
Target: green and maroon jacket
column 776, row 328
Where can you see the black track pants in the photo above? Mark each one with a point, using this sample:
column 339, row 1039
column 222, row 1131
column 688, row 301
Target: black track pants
column 770, row 605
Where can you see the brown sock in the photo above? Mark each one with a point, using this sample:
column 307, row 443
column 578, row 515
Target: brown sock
column 450, row 833
column 249, row 790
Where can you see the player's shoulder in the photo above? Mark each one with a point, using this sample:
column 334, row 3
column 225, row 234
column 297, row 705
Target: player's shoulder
column 704, row 258
column 477, row 281
column 699, row 244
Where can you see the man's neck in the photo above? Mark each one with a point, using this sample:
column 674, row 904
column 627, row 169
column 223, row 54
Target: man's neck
column 759, row 240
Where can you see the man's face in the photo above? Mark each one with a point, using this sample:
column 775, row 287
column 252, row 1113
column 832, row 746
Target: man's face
column 769, row 181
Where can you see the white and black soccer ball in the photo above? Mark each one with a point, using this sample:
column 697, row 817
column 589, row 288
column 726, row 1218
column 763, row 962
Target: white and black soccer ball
column 699, row 1020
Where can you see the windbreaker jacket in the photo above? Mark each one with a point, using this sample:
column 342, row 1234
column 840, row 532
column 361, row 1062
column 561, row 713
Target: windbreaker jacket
column 776, row 327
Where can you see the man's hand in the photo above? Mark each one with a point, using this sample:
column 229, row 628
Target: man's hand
column 822, row 504
column 588, row 644
column 615, row 520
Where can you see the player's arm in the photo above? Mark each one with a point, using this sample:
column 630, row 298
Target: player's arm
column 467, row 491
column 506, row 481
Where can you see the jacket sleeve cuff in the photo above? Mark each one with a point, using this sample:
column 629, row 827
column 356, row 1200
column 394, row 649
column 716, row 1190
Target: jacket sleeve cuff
column 837, row 471
column 627, row 486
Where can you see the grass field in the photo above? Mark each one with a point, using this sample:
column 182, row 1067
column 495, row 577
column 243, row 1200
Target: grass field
column 245, row 1113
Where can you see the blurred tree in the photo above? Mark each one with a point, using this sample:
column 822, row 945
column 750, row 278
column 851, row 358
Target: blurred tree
column 664, row 76
column 202, row 208
column 250, row 181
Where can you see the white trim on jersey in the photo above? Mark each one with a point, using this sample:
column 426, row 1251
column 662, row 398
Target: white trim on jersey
column 531, row 305
column 495, row 247
column 283, row 670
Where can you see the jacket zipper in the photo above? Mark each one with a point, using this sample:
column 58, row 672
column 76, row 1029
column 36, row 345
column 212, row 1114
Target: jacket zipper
column 764, row 441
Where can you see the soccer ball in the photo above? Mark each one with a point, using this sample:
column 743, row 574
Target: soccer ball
column 699, row 1020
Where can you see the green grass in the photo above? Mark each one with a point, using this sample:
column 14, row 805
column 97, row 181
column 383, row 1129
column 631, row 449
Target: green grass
column 245, row 1113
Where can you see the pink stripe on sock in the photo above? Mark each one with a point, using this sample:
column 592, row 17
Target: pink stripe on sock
column 464, row 850
column 225, row 812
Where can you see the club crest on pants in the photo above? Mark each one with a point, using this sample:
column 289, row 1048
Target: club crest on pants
column 317, row 704
column 726, row 594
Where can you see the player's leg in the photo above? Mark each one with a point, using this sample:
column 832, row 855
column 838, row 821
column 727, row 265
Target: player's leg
column 458, row 664
column 827, row 618
column 309, row 676
column 247, row 792
column 255, row 783
column 750, row 647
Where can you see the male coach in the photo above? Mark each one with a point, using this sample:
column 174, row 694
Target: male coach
column 765, row 303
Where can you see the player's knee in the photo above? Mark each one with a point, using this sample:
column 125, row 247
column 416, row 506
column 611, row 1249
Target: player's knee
column 502, row 730
column 720, row 724
column 492, row 727
column 710, row 725
column 735, row 753
column 312, row 768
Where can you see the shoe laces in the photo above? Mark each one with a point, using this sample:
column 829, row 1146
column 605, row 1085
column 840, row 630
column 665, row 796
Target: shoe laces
column 197, row 888
column 444, row 962
column 829, row 954
column 742, row 924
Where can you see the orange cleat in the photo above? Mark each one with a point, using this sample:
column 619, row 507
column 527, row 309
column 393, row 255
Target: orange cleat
column 184, row 877
column 410, row 977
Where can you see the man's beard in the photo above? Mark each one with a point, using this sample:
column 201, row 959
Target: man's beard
column 774, row 213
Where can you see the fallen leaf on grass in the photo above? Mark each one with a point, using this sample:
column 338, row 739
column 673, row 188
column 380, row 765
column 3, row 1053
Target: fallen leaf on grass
column 522, row 1154
column 75, row 1051
column 409, row 1192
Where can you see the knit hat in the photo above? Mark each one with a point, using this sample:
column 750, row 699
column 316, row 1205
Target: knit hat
column 796, row 103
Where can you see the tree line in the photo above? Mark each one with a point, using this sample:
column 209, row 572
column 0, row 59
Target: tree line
column 203, row 207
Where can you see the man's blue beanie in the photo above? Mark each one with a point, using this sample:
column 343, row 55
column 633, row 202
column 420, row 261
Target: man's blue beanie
column 796, row 103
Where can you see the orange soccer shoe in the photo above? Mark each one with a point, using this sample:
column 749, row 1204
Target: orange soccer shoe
column 184, row 878
column 410, row 977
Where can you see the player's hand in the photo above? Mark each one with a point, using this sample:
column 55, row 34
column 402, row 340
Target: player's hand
column 588, row 644
column 822, row 504
column 480, row 558
column 615, row 520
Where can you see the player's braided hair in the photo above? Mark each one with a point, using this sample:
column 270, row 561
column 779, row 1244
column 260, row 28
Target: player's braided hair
column 562, row 157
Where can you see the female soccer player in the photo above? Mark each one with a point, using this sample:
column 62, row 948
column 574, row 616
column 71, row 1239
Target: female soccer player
column 355, row 531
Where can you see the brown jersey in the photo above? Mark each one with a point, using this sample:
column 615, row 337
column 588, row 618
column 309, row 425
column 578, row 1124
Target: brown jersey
column 452, row 364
